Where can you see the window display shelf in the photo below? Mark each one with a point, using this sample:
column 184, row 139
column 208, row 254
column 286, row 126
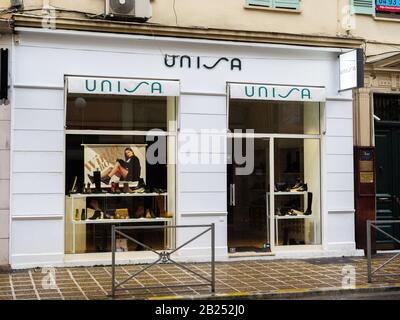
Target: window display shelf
column 288, row 193
column 109, row 195
column 116, row 221
column 293, row 217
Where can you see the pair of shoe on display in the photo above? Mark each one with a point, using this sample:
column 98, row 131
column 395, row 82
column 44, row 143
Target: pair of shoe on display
column 299, row 187
column 159, row 190
column 97, row 215
column 285, row 187
column 295, row 212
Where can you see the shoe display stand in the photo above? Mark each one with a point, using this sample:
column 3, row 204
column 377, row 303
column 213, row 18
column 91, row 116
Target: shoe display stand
column 277, row 217
column 78, row 227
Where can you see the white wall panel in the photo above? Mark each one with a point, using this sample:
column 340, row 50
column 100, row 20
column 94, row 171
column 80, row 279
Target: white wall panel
column 339, row 145
column 339, row 127
column 38, row 162
column 201, row 121
column 37, row 183
column 203, row 202
column 339, row 109
column 218, row 167
column 37, row 237
column 339, row 163
column 199, row 104
column 341, row 228
column 25, row 119
column 38, row 204
column 29, row 69
column 39, row 98
column 25, row 140
column 201, row 246
column 203, row 182
column 337, row 200
column 206, row 142
column 4, row 135
column 340, row 182
column 4, row 194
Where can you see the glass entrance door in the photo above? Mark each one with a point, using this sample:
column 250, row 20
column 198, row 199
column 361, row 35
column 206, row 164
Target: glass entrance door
column 248, row 187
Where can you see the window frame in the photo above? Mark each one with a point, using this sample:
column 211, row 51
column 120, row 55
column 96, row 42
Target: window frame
column 273, row 5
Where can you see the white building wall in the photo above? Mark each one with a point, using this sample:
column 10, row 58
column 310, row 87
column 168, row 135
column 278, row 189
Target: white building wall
column 45, row 57
column 340, row 176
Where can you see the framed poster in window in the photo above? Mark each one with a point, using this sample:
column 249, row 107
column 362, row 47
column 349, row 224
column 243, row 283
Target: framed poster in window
column 116, row 163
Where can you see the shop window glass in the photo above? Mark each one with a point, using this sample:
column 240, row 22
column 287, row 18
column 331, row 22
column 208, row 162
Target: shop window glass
column 95, row 112
column 136, row 172
column 275, row 116
column 297, row 192
column 292, row 199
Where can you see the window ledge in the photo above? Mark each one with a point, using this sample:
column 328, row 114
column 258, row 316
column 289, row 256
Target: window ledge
column 272, row 9
column 386, row 19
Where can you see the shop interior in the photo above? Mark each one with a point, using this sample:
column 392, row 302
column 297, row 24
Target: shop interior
column 117, row 173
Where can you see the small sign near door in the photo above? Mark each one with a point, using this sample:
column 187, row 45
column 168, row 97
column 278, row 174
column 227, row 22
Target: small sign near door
column 351, row 66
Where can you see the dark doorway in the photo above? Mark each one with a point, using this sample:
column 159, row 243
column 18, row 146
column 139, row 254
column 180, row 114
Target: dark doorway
column 387, row 142
column 247, row 203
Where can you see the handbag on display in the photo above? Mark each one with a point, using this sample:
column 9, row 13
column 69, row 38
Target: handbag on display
column 122, row 213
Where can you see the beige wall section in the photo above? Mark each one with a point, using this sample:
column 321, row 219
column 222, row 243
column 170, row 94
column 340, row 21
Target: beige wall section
column 315, row 17
column 4, row 183
column 224, row 14
column 5, row 125
column 362, row 117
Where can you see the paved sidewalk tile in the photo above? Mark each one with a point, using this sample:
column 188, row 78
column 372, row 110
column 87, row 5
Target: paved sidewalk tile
column 232, row 279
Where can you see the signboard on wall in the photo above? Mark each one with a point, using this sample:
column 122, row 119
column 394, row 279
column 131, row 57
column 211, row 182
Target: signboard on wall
column 123, row 87
column 388, row 5
column 351, row 66
column 272, row 92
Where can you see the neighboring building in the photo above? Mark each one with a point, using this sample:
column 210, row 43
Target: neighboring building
column 83, row 85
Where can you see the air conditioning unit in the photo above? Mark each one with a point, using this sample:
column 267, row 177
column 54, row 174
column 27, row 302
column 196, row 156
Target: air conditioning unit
column 136, row 10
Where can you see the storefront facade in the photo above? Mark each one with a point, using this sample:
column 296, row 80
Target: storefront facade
column 76, row 92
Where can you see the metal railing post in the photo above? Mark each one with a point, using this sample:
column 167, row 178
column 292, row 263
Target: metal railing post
column 369, row 253
column 113, row 248
column 213, row 257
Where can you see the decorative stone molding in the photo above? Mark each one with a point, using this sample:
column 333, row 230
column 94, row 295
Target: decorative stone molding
column 100, row 25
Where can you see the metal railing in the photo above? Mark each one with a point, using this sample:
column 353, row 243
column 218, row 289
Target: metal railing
column 164, row 257
column 374, row 224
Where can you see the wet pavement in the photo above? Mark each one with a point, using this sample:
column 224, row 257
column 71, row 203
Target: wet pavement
column 240, row 280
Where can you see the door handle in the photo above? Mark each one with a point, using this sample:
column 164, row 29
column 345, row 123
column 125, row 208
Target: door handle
column 230, row 194
column 232, row 200
column 234, row 195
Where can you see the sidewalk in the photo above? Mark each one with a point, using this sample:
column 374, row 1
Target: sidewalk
column 234, row 280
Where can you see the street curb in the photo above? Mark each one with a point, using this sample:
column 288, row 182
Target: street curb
column 284, row 294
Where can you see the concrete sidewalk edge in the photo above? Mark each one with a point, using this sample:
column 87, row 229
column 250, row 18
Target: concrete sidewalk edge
column 283, row 294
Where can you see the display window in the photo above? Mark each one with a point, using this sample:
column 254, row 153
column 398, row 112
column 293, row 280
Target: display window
column 120, row 168
column 276, row 202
